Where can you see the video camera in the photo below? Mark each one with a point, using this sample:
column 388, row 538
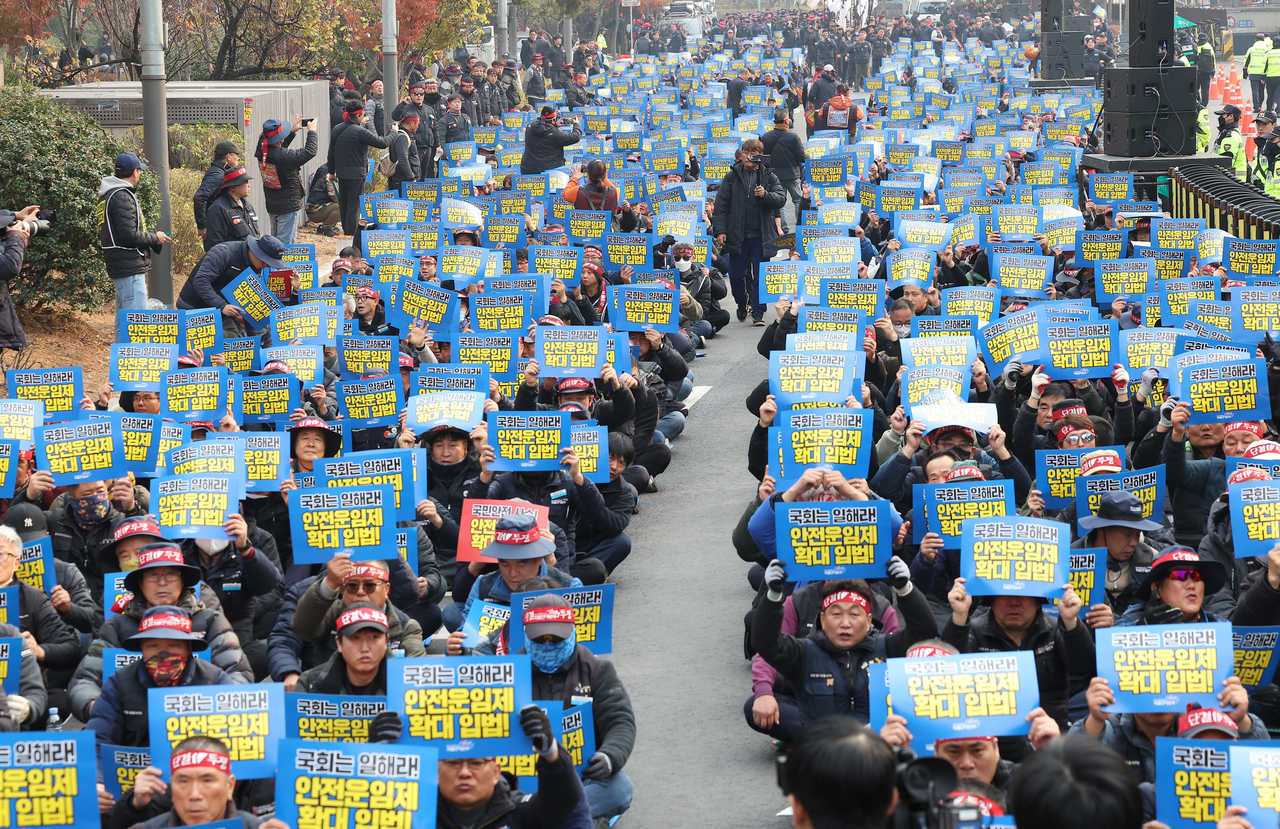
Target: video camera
column 925, row 785
column 40, row 226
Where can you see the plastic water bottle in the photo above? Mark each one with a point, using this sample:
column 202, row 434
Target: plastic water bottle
column 54, row 723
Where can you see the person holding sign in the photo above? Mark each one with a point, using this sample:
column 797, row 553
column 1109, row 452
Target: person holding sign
column 842, row 643
column 359, row 663
column 1199, row 482
column 1175, row 588
column 1063, row 648
column 161, row 579
column 220, row 266
column 167, row 644
column 201, row 790
column 1118, row 526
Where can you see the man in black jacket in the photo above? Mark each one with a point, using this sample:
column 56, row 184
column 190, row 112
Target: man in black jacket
column 231, row 216
column 602, row 534
column 404, row 153
column 786, row 157
column 473, row 105
column 223, row 264
column 122, row 233
column 322, row 203
column 544, row 142
column 226, row 155
column 349, row 163
column 424, row 137
column 282, row 183
column 453, row 126
column 13, row 247
column 742, row 222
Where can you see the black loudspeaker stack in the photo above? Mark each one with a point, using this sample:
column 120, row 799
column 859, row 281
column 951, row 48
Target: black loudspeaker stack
column 1150, row 106
column 1062, row 42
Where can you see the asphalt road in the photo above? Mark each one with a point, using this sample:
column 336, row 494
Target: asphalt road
column 678, row 621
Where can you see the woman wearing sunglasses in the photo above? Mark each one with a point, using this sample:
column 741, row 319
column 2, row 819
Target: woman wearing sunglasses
column 1175, row 589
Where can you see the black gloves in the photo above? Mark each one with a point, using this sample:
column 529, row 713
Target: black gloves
column 537, row 727
column 385, row 728
column 600, row 766
column 1160, row 614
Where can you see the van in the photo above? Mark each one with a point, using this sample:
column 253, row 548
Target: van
column 692, row 26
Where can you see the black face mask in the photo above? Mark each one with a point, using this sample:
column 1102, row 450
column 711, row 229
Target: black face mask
column 1222, row 122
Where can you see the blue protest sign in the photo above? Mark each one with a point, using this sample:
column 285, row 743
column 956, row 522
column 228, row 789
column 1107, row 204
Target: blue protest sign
column 163, row 327
column 965, row 696
column 570, row 351
column 983, row 303
column 266, row 458
column 326, row 783
column 1129, row 278
column 250, row 294
column 590, row 441
column 1081, row 349
column 1056, row 472
column 911, row 266
column 1193, row 782
column 240, row 354
column 460, row 409
column 1108, row 188
column 1147, row 485
column 808, row 377
column 432, row 377
column 35, row 567
column 242, row 717
column 527, row 442
column 139, row 367
column 357, row 520
column 395, row 468
column 1015, row 337
column 266, row 399
column 644, row 307
column 1255, row 517
column 563, row 263
column 1014, row 556
column 1019, row 275
column 1225, row 392
column 52, row 779
column 204, row 331
column 1088, row 569
column 194, row 394
column 377, row 401
column 120, row 766
column 956, row 352
column 115, row 659
column 836, row 438
column 77, row 452
column 834, row 540
column 483, row 619
column 195, row 506
column 947, row 506
column 418, row 302
column 307, row 322
column 945, row 327
column 59, row 389
column 331, row 717
column 918, row 384
column 465, row 706
column 592, row 616
column 1163, row 668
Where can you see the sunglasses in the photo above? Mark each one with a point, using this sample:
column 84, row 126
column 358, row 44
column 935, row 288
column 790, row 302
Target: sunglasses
column 1080, row 440
column 683, row 258
column 355, row 587
column 1185, row 575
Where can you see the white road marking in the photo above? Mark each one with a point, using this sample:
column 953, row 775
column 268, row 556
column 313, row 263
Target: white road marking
column 695, row 396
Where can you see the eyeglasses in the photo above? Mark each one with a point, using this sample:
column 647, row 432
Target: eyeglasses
column 144, row 398
column 352, row 588
column 683, row 258
column 1185, row 575
column 1080, row 439
column 472, row 763
column 161, row 576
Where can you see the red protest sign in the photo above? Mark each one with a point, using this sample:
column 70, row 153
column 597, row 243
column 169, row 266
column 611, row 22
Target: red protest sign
column 479, row 518
column 280, row 283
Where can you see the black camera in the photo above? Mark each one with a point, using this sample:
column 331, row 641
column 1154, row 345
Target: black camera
column 40, row 226
column 758, row 158
column 306, row 122
column 925, row 785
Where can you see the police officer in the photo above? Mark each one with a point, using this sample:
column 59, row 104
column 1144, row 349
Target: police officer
column 1260, row 166
column 1203, row 131
column 1265, row 160
column 1205, row 67
column 1273, row 72
column 1255, row 69
column 1229, row 142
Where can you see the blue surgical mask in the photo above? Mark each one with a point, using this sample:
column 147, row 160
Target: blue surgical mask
column 549, row 657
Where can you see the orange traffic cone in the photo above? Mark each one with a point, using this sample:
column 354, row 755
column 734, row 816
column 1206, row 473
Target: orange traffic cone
column 1233, row 96
column 1235, row 75
column 1215, row 87
column 1248, row 150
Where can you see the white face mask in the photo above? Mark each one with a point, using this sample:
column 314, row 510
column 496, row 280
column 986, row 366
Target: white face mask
column 902, row 330
column 683, row 265
column 212, row 546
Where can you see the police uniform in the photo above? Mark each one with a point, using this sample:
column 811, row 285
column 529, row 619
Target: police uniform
column 1255, row 70
column 1229, row 142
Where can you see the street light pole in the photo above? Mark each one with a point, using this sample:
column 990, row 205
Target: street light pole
column 390, row 81
column 155, row 138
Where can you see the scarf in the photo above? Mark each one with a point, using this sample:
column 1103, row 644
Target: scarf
column 548, row 657
column 166, row 668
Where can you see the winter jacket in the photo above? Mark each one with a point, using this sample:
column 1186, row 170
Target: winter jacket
column 121, row 717
column 535, row 85
column 452, row 127
column 786, row 154
column 214, row 271
column 122, row 229
column 291, row 195
column 550, row 807
column 1217, row 545
column 1199, row 483
column 318, row 609
column 331, row 678
column 491, row 587
column 375, row 113
column 544, row 147
column 287, row 652
column 475, row 107
column 224, row 648
column 586, row 677
column 12, row 250
column 30, row 685
column 229, row 221
column 85, row 614
column 38, row 616
column 594, row 528
column 614, row 408
column 1122, row 734
column 555, row 490
column 408, row 162
column 425, row 137
column 1064, row 658
column 239, row 578
column 829, row 680
column 80, row 545
column 208, row 190
column 349, row 149
column 1138, row 565
column 735, row 198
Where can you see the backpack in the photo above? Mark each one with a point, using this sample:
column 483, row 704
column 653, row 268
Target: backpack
column 386, row 164
column 590, row 197
column 1204, row 62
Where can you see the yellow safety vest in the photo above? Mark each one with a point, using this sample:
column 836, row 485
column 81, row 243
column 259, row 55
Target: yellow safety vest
column 1204, row 131
column 1257, row 52
column 1273, row 63
column 1232, row 146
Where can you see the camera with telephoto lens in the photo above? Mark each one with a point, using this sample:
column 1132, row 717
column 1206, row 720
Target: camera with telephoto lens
column 758, row 158
column 925, row 785
column 40, row 226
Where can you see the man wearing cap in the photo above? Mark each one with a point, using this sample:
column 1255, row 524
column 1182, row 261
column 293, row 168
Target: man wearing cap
column 345, row 583
column 358, row 666
column 231, row 217
column 1228, row 141
column 166, row 641
column 201, row 790
column 424, row 134
column 1133, row 736
column 404, row 152
column 1255, row 69
column 474, row 105
column 535, row 82
column 544, row 142
column 216, row 269
column 161, row 579
column 522, row 550
column 1063, row 648
column 1118, row 527
column 122, row 233
column 282, row 184
column 226, row 156
column 453, row 460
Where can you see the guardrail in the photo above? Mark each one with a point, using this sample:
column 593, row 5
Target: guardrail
column 1225, row 202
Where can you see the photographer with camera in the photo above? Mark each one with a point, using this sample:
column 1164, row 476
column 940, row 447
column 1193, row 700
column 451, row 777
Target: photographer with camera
column 283, row 187
column 839, row 773
column 742, row 222
column 544, row 142
column 18, row 229
column 122, row 232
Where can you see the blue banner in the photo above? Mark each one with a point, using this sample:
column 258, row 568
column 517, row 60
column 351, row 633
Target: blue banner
column 330, row 783
column 194, row 394
column 838, row 439
column 1255, row 517
column 1193, row 782
column 161, row 327
column 644, row 307
column 1225, row 392
column 461, row 409
column 1088, row 569
column 1014, row 556
column 1129, row 278
column 570, row 351
column 365, row 404
column 1081, row 349
column 834, row 539
column 1146, row 484
column 956, row 352
column 981, row 302
column 965, row 696
column 948, row 505
column 484, row 619
column 120, row 766
column 815, row 376
column 1056, row 473
column 1015, row 337
column 357, row 520
column 1164, row 668
column 250, row 294
column 266, row 399
column 195, row 506
column 241, row 716
column 1021, row 275
column 36, row 565
column 138, row 367
column 60, row 389
column 1255, row 656
column 591, row 442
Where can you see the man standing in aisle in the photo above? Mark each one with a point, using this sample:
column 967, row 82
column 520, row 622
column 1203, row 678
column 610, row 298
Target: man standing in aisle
column 122, row 233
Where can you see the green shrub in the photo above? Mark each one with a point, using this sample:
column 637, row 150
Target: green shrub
column 187, row 246
column 191, row 145
column 56, row 158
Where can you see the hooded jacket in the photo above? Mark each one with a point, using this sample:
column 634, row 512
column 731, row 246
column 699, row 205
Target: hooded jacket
column 544, row 147
column 122, row 229
column 224, row 648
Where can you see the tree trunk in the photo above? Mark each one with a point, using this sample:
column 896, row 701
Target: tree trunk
column 595, row 32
